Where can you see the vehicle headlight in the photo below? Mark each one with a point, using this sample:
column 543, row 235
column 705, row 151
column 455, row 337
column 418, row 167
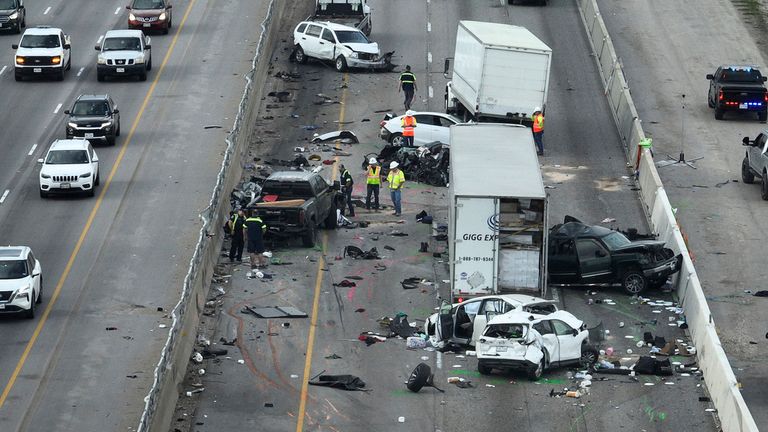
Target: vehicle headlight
column 101, row 60
column 14, row 16
column 72, row 125
column 86, row 175
column 20, row 60
column 162, row 17
column 56, row 60
column 139, row 60
column 106, row 124
column 132, row 17
column 353, row 54
column 45, row 176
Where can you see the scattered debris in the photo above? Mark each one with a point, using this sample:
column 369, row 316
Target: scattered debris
column 360, row 310
column 371, row 338
column 212, row 127
column 343, row 382
column 421, row 377
column 343, row 135
column 356, row 253
column 345, row 284
column 608, row 220
column 333, row 356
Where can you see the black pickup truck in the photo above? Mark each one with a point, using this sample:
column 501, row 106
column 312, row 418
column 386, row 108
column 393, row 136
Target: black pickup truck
column 738, row 88
column 295, row 203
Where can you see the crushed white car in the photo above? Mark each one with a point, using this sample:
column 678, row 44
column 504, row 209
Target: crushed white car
column 346, row 47
column 463, row 323
column 533, row 343
column 430, row 127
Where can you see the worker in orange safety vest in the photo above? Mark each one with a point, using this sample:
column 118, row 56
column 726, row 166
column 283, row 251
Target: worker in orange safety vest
column 538, row 130
column 408, row 124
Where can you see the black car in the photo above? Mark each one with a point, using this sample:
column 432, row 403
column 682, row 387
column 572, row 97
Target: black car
column 581, row 254
column 95, row 118
column 13, row 15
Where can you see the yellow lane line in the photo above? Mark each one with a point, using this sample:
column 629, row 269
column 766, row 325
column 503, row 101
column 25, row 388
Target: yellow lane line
column 91, row 216
column 318, row 284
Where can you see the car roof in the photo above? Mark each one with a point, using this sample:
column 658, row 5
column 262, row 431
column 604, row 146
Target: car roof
column 579, row 230
column 123, row 33
column 42, row 30
column 291, row 175
column 69, row 144
column 92, row 97
column 12, row 253
column 520, row 317
column 333, row 26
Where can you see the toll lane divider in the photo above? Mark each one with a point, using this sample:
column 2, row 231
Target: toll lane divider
column 160, row 402
column 724, row 390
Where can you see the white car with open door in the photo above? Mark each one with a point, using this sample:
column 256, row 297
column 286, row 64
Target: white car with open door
column 463, row 323
column 533, row 343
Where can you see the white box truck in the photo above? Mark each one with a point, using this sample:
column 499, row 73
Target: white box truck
column 353, row 13
column 497, row 228
column 500, row 73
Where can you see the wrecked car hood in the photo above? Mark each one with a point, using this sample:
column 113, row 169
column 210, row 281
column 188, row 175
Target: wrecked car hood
column 641, row 245
column 371, row 48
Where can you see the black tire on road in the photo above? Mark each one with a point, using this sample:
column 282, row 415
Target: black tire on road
column 764, row 187
column 633, row 282
column 40, row 293
column 299, row 55
column 98, row 176
column 143, row 76
column 589, row 356
column 43, row 194
column 17, row 76
column 718, row 114
column 30, row 313
column 99, row 76
column 330, row 221
column 762, row 116
column 341, row 64
column 149, row 63
column 117, row 133
column 710, row 103
column 746, row 173
column 483, row 369
column 91, row 192
column 310, row 237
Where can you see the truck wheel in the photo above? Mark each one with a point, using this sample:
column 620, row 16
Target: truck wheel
column 588, row 357
column 746, row 174
column 764, row 187
column 718, row 114
column 483, row 369
column 710, row 103
column 762, row 116
column 341, row 64
column 633, row 282
column 298, row 54
column 310, row 237
column 99, row 76
column 396, row 139
column 330, row 221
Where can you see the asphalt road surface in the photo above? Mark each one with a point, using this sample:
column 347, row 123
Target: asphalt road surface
column 261, row 380
column 667, row 49
column 113, row 260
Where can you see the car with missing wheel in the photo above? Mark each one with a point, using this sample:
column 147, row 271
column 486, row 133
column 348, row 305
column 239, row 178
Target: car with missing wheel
column 42, row 51
column 13, row 15
column 21, row 281
column 462, row 323
column 430, row 127
column 150, row 15
column 124, row 53
column 347, row 47
column 580, row 254
column 532, row 343
column 95, row 118
column 69, row 166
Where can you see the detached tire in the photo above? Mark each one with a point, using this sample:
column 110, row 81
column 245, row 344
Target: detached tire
column 310, row 237
column 633, row 282
column 341, row 64
column 746, row 173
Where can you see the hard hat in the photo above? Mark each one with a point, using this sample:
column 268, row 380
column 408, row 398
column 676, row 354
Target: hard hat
column 393, row 165
column 409, row 113
column 372, row 161
column 537, row 109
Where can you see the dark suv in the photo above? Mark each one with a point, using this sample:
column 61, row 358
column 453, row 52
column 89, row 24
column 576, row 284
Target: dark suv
column 593, row 255
column 13, row 16
column 150, row 15
column 95, row 118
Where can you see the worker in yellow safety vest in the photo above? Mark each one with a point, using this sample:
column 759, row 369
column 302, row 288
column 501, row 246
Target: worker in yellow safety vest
column 408, row 85
column 538, row 130
column 408, row 124
column 373, row 182
column 396, row 180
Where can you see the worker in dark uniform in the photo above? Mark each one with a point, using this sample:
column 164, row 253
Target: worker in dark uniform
column 255, row 229
column 237, row 231
column 408, row 85
column 346, row 184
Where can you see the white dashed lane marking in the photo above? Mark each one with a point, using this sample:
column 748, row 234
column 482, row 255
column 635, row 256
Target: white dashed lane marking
column 32, row 150
column 58, row 107
column 429, row 57
column 117, row 11
column 3, row 69
column 48, row 9
column 431, row 92
column 80, row 72
column 5, row 195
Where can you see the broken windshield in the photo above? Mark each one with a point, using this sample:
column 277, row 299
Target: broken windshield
column 505, row 331
column 615, row 240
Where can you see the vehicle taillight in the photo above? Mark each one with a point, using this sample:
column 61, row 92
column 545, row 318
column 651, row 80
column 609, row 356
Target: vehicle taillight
column 460, row 299
column 765, row 97
column 720, row 95
column 382, row 123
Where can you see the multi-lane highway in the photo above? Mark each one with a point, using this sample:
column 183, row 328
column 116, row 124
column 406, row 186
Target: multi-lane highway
column 584, row 166
column 114, row 260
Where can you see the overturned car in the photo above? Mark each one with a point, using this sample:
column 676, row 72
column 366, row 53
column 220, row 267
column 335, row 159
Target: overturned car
column 581, row 254
column 532, row 343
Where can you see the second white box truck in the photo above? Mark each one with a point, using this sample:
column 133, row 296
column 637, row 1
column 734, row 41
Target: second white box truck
column 497, row 229
column 500, row 73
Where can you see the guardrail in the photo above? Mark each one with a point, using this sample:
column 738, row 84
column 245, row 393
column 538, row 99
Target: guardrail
column 722, row 384
column 160, row 402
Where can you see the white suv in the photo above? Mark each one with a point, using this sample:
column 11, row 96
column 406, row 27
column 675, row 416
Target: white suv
column 42, row 51
column 123, row 53
column 345, row 46
column 21, row 280
column 69, row 166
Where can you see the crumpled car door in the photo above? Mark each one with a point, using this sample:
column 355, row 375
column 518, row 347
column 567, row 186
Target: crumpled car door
column 444, row 327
